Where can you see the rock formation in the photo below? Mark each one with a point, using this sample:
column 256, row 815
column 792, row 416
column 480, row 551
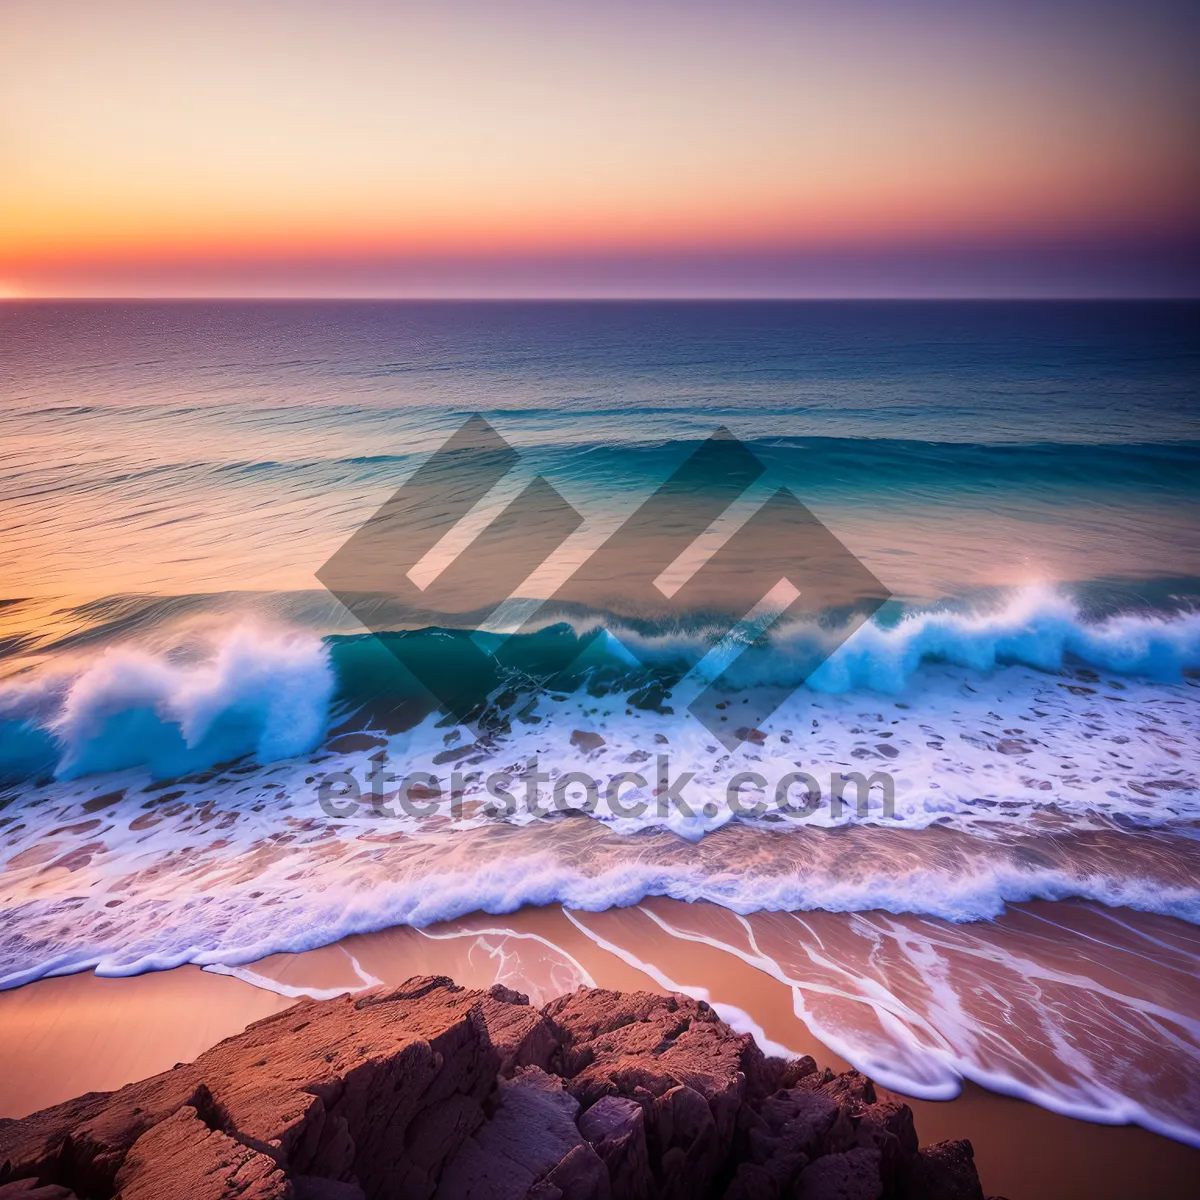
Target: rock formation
column 433, row 1092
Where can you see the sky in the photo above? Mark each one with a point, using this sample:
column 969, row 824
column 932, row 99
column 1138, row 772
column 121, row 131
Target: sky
column 553, row 147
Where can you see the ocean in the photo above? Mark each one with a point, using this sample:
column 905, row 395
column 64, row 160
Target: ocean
column 1022, row 481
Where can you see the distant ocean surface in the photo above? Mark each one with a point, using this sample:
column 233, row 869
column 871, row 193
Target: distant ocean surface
column 1024, row 479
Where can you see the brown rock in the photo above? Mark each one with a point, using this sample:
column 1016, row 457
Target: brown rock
column 30, row 1189
column 618, row 1043
column 310, row 1187
column 586, row 741
column 944, row 1171
column 181, row 1156
column 886, row 1126
column 521, row 1035
column 338, row 1101
column 689, row 1145
column 531, row 1132
column 588, row 1012
column 766, row 1076
column 580, row 1176
column 854, row 1175
column 781, row 1137
column 616, row 1128
column 429, row 1090
column 804, row 1121
column 872, row 1119
column 849, row 1087
column 81, row 1143
column 326, row 1088
column 674, row 1057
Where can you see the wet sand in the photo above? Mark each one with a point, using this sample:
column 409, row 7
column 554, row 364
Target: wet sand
column 60, row 1037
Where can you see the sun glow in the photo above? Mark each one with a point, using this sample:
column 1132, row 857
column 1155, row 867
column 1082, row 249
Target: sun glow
column 146, row 140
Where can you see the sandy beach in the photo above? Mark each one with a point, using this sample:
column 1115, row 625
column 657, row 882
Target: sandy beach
column 64, row 1036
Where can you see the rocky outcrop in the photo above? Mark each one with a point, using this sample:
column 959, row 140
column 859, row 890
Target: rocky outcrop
column 434, row 1092
column 184, row 1147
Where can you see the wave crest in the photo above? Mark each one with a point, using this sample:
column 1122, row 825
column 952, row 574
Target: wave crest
column 257, row 692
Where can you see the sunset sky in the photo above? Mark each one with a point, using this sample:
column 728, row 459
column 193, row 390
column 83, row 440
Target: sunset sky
column 548, row 147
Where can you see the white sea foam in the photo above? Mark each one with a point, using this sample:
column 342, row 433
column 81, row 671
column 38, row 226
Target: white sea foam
column 302, row 886
column 295, row 991
column 256, row 691
column 116, row 872
column 268, row 691
column 1038, row 627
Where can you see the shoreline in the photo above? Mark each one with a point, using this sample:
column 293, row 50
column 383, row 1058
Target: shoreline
column 72, row 1034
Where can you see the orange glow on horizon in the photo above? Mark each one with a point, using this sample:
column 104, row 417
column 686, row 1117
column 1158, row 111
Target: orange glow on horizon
column 143, row 134
column 57, row 240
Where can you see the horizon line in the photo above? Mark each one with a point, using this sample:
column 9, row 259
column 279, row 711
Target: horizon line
column 833, row 298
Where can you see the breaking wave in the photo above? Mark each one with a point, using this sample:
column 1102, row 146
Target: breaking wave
column 274, row 693
column 265, row 694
